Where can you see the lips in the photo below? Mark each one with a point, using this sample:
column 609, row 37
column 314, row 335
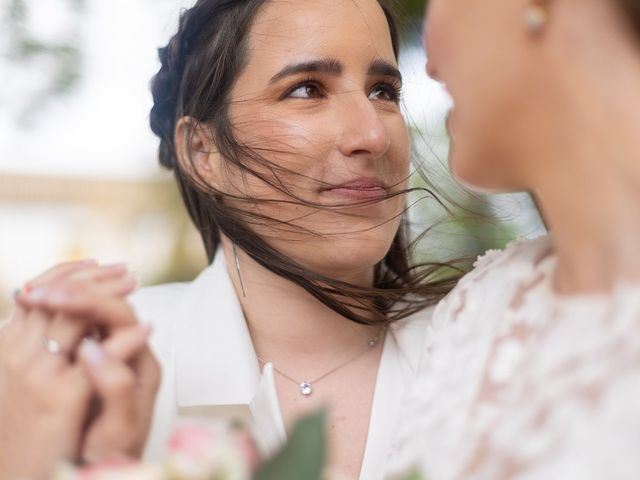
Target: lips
column 359, row 189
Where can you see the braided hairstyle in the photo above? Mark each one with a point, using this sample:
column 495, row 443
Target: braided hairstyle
column 199, row 66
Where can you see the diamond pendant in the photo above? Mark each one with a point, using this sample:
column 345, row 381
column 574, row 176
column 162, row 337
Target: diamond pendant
column 306, row 389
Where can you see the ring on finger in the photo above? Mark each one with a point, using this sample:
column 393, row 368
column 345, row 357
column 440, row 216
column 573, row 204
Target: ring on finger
column 53, row 347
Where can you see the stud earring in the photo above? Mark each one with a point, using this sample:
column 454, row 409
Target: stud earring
column 535, row 17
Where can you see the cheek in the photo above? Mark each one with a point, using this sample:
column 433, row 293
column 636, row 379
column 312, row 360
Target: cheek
column 296, row 145
column 481, row 153
column 399, row 154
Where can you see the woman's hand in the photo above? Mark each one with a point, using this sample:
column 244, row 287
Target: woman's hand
column 123, row 373
column 125, row 376
column 45, row 392
column 44, row 395
column 43, row 400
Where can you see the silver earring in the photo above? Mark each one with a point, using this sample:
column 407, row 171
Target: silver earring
column 535, row 17
column 237, row 260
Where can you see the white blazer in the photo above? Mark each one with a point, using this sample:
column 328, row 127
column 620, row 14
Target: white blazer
column 210, row 368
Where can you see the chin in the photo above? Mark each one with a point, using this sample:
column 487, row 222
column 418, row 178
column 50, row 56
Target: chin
column 475, row 174
column 348, row 258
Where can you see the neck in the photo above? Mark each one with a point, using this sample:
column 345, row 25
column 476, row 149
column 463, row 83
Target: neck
column 588, row 185
column 285, row 321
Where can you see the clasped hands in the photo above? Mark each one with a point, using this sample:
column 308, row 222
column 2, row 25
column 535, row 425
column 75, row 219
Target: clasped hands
column 77, row 379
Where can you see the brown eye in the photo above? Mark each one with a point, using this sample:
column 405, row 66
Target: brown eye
column 385, row 92
column 306, row 90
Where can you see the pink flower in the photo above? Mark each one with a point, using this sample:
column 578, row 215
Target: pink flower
column 211, row 450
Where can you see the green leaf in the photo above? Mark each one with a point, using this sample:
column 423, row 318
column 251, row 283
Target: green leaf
column 413, row 476
column 304, row 455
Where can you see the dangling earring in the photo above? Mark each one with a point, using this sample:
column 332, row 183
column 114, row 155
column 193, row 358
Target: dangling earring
column 536, row 17
column 237, row 260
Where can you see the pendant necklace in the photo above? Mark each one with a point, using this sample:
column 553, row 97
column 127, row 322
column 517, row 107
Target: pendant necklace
column 306, row 387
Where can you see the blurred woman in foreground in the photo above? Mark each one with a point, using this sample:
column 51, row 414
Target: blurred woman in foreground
column 533, row 371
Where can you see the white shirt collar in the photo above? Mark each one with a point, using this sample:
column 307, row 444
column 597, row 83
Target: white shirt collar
column 212, row 339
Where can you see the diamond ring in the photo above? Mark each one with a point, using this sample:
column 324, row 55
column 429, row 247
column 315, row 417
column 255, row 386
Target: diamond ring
column 54, row 347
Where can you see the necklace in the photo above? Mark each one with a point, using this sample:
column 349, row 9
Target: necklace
column 306, row 387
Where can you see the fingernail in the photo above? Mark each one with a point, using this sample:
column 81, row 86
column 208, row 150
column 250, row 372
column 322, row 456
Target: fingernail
column 57, row 296
column 36, row 294
column 92, row 353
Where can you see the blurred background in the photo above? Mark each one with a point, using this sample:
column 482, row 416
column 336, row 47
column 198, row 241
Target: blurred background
column 78, row 170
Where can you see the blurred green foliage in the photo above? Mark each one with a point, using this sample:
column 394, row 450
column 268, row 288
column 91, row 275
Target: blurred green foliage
column 411, row 8
column 62, row 57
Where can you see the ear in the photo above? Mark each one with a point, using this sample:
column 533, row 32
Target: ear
column 196, row 151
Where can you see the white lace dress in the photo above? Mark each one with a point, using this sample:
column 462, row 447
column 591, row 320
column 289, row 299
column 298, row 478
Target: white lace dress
column 520, row 383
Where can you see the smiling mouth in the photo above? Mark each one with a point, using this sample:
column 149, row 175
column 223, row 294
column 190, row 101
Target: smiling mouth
column 360, row 189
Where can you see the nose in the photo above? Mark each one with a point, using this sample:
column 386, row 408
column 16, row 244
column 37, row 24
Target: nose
column 362, row 132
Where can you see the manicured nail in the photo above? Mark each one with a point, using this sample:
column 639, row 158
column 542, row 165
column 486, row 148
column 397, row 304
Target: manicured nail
column 57, row 296
column 36, row 294
column 92, row 353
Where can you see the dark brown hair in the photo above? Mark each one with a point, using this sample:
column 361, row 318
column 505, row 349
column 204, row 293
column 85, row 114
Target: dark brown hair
column 632, row 12
column 199, row 67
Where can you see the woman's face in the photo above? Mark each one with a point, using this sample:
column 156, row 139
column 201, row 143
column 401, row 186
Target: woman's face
column 487, row 60
column 319, row 96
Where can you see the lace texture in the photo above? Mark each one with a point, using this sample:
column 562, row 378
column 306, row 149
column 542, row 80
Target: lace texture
column 519, row 383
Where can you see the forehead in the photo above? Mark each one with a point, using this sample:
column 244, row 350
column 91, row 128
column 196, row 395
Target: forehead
column 348, row 30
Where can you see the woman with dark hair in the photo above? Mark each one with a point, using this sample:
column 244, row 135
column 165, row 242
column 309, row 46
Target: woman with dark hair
column 534, row 370
column 281, row 121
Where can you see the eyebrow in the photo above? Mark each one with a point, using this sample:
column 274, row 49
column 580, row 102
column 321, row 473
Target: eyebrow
column 384, row 68
column 333, row 67
column 329, row 66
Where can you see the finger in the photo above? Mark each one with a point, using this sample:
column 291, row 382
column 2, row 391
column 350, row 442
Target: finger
column 33, row 292
column 68, row 332
column 34, row 331
column 98, row 273
column 31, row 348
column 60, row 271
column 114, row 383
column 11, row 323
column 91, row 305
column 11, row 332
column 54, row 294
column 127, row 342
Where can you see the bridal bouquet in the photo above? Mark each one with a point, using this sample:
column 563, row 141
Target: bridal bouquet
column 222, row 451
column 219, row 451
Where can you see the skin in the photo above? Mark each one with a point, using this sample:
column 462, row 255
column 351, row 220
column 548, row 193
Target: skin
column 45, row 394
column 329, row 128
column 554, row 113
